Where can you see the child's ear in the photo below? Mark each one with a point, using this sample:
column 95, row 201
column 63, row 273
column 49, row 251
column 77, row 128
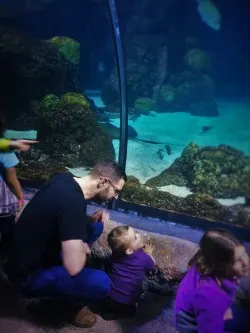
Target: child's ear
column 129, row 251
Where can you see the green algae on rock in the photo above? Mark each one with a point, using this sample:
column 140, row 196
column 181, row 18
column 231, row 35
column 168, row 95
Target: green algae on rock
column 144, row 104
column 221, row 172
column 31, row 68
column 197, row 204
column 68, row 47
column 72, row 98
column 69, row 132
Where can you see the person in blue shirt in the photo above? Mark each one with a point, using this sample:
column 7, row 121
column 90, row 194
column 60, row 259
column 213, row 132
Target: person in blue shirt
column 11, row 198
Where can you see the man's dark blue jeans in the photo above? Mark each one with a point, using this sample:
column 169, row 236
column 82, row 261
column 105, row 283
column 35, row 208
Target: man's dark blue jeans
column 90, row 284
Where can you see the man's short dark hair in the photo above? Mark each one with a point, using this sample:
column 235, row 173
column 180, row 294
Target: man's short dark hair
column 110, row 169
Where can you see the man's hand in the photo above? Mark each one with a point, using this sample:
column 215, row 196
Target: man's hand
column 101, row 216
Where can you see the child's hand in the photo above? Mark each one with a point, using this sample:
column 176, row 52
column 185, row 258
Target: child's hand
column 148, row 248
column 22, row 145
column 20, row 205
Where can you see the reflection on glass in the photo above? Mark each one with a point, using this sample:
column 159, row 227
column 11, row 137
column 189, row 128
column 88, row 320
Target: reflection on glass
column 188, row 94
column 54, row 62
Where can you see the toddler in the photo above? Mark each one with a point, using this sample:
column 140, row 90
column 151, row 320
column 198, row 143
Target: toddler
column 130, row 261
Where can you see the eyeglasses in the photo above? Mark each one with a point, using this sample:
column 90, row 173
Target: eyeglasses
column 116, row 190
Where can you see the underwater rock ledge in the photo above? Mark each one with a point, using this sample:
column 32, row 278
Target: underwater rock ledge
column 197, row 204
column 220, row 172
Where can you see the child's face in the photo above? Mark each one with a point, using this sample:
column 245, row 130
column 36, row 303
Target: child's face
column 241, row 262
column 135, row 241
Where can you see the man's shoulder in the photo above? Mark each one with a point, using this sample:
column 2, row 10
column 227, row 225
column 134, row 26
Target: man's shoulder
column 61, row 182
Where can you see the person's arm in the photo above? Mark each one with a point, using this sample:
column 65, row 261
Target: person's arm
column 9, row 161
column 210, row 310
column 21, row 145
column 11, row 180
column 148, row 259
column 74, row 255
column 4, row 144
column 73, row 229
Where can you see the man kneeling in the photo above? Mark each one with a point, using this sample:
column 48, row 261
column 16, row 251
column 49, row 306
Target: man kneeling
column 50, row 243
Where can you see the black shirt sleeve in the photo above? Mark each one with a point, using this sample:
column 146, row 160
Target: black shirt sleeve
column 73, row 220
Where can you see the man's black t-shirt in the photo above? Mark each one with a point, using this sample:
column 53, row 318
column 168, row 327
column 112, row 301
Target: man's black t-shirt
column 56, row 213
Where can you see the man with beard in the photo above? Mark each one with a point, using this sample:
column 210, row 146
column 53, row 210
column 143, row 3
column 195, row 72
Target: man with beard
column 52, row 238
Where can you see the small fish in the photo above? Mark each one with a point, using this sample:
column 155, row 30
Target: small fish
column 209, row 13
column 205, row 129
column 168, row 149
column 160, row 154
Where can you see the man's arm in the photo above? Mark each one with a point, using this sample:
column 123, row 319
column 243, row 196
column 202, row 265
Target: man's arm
column 74, row 254
column 73, row 230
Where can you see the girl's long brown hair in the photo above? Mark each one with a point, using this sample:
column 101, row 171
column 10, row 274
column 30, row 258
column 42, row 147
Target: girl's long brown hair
column 215, row 256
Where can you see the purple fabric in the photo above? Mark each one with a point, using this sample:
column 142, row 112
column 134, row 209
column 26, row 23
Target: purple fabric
column 205, row 300
column 127, row 275
column 8, row 201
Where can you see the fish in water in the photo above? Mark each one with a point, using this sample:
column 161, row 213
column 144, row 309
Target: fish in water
column 168, row 149
column 209, row 13
column 205, row 129
column 114, row 132
column 160, row 154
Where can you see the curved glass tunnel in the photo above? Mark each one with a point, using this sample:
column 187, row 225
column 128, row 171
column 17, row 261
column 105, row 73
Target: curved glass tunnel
column 187, row 97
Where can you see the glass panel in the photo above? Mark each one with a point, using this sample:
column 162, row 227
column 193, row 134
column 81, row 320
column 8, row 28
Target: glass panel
column 188, row 94
column 54, row 61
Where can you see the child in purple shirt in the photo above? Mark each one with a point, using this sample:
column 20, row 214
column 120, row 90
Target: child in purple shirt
column 129, row 263
column 205, row 295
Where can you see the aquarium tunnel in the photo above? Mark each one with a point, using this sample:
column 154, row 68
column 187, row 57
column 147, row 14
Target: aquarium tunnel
column 163, row 87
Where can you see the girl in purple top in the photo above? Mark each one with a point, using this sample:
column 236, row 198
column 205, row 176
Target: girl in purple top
column 205, row 295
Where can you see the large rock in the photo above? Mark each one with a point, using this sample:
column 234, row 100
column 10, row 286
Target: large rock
column 190, row 90
column 69, row 133
column 68, row 47
column 30, row 69
column 152, row 80
column 198, row 204
column 142, row 70
column 222, row 172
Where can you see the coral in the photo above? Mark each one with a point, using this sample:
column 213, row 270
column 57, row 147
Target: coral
column 68, row 47
column 72, row 98
column 31, row 68
column 69, row 135
column 222, row 171
column 142, row 72
column 189, row 90
column 50, row 101
column 69, row 132
column 144, row 104
column 198, row 60
column 197, row 204
column 168, row 93
column 38, row 171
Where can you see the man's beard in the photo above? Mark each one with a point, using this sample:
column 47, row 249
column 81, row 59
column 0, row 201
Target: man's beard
column 102, row 197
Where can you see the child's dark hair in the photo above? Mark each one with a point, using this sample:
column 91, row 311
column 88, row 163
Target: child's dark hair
column 215, row 256
column 117, row 240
